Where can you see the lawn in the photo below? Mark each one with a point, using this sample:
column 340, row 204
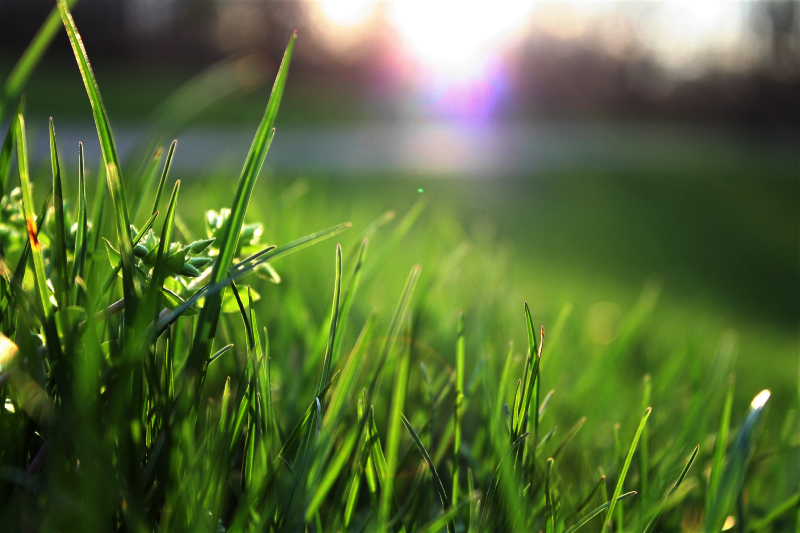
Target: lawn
column 548, row 352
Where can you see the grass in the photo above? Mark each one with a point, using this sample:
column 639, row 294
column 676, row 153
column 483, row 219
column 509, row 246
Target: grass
column 159, row 401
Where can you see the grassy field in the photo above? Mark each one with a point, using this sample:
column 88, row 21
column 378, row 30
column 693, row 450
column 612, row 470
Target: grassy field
column 209, row 371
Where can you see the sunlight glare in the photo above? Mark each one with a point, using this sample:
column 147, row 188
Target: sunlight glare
column 457, row 37
column 761, row 399
column 347, row 13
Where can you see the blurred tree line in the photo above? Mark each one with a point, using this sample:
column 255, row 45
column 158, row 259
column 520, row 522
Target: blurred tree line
column 551, row 77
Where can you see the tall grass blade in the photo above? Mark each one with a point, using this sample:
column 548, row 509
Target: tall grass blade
column 59, row 240
column 652, row 523
column 394, row 329
column 388, row 497
column 164, row 174
column 160, row 269
column 44, row 304
column 782, row 508
column 437, row 480
column 458, row 406
column 7, row 151
column 624, row 472
column 148, row 174
column 26, row 64
column 732, row 479
column 207, row 321
column 337, row 291
column 583, row 521
column 81, row 236
column 718, row 464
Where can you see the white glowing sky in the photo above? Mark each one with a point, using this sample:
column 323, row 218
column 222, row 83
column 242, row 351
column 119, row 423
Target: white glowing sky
column 457, row 37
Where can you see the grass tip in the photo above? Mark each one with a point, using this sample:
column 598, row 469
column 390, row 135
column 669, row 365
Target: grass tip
column 761, row 399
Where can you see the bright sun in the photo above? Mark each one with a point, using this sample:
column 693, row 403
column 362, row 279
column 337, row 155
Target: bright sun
column 449, row 36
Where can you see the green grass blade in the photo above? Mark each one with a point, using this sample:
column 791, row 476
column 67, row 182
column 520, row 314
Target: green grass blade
column 624, row 472
column 447, row 517
column 583, row 521
column 79, row 256
column 568, row 437
column 160, row 268
column 394, row 329
column 113, row 168
column 164, row 174
column 26, row 64
column 107, row 144
column 397, row 404
column 345, row 388
column 718, row 464
column 30, row 221
column 644, row 450
column 437, row 480
column 349, row 296
column 337, row 292
column 7, row 151
column 59, row 240
column 332, row 471
column 206, row 325
column 130, row 281
column 732, row 480
column 98, row 213
column 783, row 508
column 652, row 523
column 145, row 181
column 458, row 407
column 22, row 264
column 550, row 526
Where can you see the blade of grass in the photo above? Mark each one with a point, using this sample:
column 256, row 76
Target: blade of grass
column 397, row 404
column 349, row 296
column 148, row 174
column 458, row 406
column 394, row 329
column 164, row 174
column 30, row 221
column 8, row 147
column 437, row 480
column 718, row 464
column 79, row 257
column 583, row 521
column 732, row 479
column 113, row 168
column 783, row 508
column 206, row 325
column 59, row 240
column 644, row 452
column 160, row 269
column 26, row 64
column 19, row 273
column 624, row 471
column 337, row 292
column 652, row 523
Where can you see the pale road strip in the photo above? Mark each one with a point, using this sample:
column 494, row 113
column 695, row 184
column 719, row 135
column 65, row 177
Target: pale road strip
column 442, row 149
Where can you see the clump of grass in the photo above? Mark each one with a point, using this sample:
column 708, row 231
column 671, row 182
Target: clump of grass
column 110, row 422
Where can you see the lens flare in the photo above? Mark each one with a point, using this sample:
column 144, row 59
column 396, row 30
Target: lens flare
column 347, row 13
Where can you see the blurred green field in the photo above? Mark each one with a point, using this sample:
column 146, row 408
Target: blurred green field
column 722, row 248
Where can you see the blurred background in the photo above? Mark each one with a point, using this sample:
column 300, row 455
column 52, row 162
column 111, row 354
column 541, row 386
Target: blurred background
column 600, row 148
